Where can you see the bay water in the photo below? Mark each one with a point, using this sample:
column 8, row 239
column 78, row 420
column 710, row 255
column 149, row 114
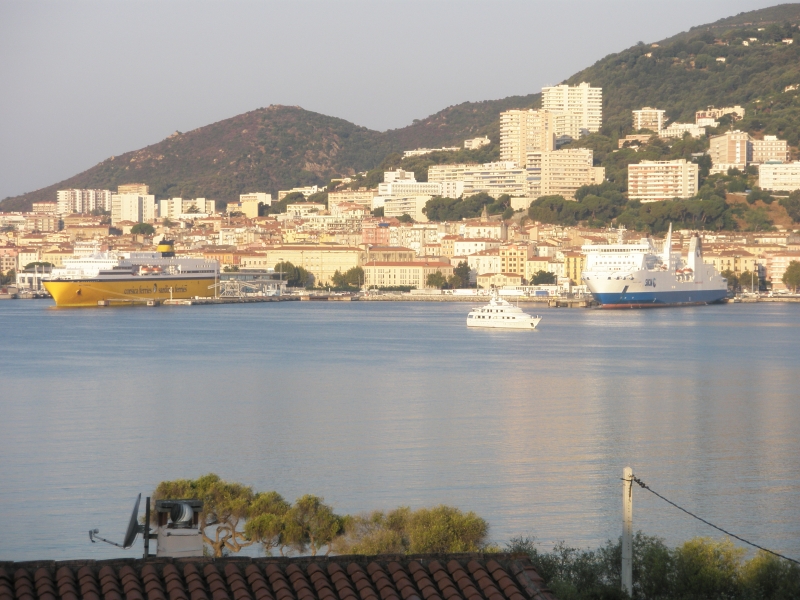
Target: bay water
column 374, row 405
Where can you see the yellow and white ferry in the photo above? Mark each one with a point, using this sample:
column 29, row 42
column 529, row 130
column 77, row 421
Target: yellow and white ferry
column 105, row 279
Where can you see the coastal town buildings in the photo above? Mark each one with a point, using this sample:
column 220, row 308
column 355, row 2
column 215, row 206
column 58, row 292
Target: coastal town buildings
column 654, row 181
column 678, row 130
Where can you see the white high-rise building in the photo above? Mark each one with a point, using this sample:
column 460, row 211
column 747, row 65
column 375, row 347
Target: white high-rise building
column 175, row 208
column 649, row 118
column 495, row 179
column 581, row 101
column 779, row 177
column 523, row 131
column 657, row 180
column 138, row 208
column 82, row 201
column 561, row 172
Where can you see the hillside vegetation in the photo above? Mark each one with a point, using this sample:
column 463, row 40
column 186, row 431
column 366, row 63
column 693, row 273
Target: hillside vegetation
column 280, row 147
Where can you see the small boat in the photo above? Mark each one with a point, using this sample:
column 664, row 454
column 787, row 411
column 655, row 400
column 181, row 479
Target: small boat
column 501, row 314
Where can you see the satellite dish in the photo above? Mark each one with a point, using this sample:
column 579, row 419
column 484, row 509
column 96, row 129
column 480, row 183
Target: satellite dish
column 130, row 535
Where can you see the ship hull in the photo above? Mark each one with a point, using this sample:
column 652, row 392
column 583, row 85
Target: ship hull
column 659, row 299
column 136, row 290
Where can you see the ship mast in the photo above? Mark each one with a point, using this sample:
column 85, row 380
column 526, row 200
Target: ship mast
column 667, row 250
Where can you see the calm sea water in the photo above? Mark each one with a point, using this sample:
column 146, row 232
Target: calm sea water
column 376, row 405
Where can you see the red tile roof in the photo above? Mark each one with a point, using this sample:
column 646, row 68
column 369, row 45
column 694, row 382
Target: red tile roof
column 386, row 577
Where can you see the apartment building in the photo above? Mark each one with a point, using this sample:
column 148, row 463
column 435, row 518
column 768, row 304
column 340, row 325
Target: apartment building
column 581, row 101
column 375, row 232
column 141, row 189
column 561, row 172
column 484, row 228
column 451, row 178
column 411, row 205
column 770, row 149
column 410, row 188
column 487, row 261
column 412, row 274
column 678, row 130
column 523, row 131
column 176, row 208
column 424, row 151
column 731, row 150
column 779, row 177
column 495, row 179
column 362, row 196
column 322, row 261
column 514, row 256
column 776, row 265
column 45, row 208
column 654, row 181
column 306, row 191
column 574, row 263
column 736, row 261
column 40, row 222
column 133, row 207
column 649, row 118
column 475, row 143
column 8, row 259
column 469, row 246
column 715, row 113
column 78, row 201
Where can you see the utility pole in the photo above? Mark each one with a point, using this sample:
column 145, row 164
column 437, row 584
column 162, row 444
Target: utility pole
column 627, row 530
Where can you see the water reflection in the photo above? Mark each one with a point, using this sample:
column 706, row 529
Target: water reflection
column 375, row 405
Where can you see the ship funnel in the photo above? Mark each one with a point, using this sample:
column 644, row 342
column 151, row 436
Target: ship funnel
column 166, row 248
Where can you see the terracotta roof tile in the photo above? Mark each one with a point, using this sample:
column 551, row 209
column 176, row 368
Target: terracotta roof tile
column 388, row 577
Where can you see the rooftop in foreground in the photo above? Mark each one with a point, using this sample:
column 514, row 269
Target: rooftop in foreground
column 384, row 577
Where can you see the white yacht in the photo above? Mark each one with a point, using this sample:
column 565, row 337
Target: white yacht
column 501, row 314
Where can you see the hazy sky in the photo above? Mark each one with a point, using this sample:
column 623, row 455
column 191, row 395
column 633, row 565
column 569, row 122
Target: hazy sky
column 81, row 81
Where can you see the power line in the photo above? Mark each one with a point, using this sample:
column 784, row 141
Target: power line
column 643, row 485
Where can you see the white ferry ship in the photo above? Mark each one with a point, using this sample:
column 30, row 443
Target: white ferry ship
column 639, row 276
column 501, row 314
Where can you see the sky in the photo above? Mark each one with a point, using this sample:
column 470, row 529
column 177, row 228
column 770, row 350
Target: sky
column 84, row 80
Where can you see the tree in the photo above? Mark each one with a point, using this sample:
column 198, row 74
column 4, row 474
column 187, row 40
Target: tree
column 193, row 210
column 36, row 264
column 455, row 282
column 791, row 276
column 310, row 524
column 543, row 278
column 733, row 280
column 268, row 524
column 377, row 212
column 9, row 277
column 294, row 276
column 463, row 271
column 226, row 506
column 143, row 229
column 405, row 218
column 442, row 529
column 436, row 280
column 352, row 278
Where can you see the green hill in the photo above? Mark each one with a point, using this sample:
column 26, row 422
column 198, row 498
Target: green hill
column 281, row 147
